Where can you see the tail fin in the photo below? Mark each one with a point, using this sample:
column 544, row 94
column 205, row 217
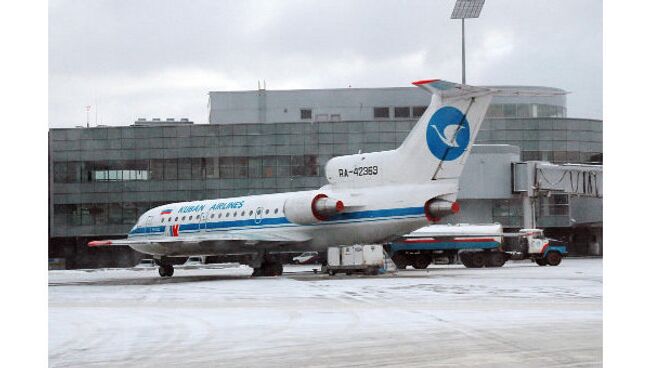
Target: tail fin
column 436, row 148
column 440, row 142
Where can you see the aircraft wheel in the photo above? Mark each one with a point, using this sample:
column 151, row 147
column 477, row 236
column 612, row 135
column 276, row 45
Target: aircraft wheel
column 541, row 261
column 166, row 270
column 275, row 269
column 553, row 258
column 421, row 261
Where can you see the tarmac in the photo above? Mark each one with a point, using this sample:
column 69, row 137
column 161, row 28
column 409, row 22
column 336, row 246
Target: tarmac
column 445, row 316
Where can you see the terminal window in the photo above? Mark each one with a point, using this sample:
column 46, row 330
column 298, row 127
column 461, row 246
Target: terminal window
column 305, row 114
column 382, row 113
column 403, row 112
column 418, row 111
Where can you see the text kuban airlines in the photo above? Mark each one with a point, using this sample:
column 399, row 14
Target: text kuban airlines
column 370, row 197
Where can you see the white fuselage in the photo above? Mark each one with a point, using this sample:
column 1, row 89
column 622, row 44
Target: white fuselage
column 372, row 215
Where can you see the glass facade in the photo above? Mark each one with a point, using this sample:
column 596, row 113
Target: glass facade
column 102, row 179
column 558, row 140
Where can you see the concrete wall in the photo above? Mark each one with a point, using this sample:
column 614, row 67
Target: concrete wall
column 351, row 104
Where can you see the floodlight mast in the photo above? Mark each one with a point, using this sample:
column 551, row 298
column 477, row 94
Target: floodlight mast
column 466, row 9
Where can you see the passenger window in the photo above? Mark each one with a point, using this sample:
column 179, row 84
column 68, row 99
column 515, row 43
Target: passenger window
column 250, row 213
column 267, row 211
column 190, row 218
column 176, row 219
column 212, row 216
column 234, row 214
column 169, row 219
column 219, row 216
column 243, row 213
column 276, row 211
column 162, row 220
column 227, row 214
column 183, row 219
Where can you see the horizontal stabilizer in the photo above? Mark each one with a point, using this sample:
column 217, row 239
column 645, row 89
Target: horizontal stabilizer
column 447, row 89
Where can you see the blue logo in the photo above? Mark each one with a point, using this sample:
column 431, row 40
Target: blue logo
column 448, row 133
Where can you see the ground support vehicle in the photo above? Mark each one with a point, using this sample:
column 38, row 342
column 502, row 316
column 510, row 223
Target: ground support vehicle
column 475, row 246
column 367, row 259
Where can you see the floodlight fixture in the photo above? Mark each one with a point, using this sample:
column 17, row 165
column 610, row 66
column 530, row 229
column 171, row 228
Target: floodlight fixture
column 465, row 9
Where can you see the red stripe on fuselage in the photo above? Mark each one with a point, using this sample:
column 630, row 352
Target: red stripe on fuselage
column 432, row 240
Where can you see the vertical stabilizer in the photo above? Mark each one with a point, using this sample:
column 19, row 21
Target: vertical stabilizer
column 441, row 140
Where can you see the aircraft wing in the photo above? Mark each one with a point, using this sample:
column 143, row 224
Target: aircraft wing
column 220, row 237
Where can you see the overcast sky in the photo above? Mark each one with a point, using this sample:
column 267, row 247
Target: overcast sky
column 130, row 59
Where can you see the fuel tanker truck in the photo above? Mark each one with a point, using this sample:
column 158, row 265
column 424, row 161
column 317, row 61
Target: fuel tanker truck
column 476, row 246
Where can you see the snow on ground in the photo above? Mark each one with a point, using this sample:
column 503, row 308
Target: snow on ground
column 518, row 315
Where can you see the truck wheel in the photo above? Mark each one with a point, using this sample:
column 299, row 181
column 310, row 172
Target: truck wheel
column 541, row 261
column 466, row 259
column 421, row 261
column 553, row 258
column 331, row 273
column 400, row 260
column 478, row 259
column 495, row 259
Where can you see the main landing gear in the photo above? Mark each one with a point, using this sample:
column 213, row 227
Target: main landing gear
column 166, row 270
column 268, row 269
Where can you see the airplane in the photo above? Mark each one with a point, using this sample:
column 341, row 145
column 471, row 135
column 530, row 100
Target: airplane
column 370, row 197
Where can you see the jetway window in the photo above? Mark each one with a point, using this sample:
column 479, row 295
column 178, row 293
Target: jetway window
column 556, row 204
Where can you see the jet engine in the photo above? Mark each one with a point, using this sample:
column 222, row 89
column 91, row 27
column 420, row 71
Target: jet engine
column 309, row 208
column 434, row 209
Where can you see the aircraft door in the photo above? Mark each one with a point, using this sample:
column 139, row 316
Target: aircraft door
column 147, row 224
column 203, row 224
column 259, row 215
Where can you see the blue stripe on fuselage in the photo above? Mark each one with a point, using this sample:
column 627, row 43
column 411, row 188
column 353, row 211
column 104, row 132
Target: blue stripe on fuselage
column 277, row 221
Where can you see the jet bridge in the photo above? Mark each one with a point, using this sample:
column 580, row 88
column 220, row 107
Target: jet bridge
column 536, row 178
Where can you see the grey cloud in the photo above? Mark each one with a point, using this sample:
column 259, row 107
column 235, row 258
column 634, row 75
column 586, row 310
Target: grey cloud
column 111, row 50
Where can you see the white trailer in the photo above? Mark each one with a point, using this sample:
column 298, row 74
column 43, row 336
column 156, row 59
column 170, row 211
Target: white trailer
column 368, row 259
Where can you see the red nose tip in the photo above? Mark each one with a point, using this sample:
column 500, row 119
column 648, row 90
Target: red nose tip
column 455, row 207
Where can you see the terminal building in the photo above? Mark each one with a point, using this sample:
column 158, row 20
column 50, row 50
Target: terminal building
column 102, row 178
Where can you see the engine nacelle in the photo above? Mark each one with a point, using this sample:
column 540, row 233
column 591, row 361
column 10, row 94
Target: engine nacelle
column 434, row 209
column 309, row 208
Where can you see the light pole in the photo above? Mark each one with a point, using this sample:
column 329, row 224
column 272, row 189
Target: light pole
column 465, row 9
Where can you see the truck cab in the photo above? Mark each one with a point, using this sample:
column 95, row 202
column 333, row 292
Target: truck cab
column 539, row 248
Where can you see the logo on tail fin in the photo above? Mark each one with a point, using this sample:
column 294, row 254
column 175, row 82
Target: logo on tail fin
column 448, row 133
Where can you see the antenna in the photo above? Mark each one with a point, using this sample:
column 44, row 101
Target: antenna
column 87, row 116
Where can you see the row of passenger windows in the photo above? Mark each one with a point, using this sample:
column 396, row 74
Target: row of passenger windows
column 220, row 215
